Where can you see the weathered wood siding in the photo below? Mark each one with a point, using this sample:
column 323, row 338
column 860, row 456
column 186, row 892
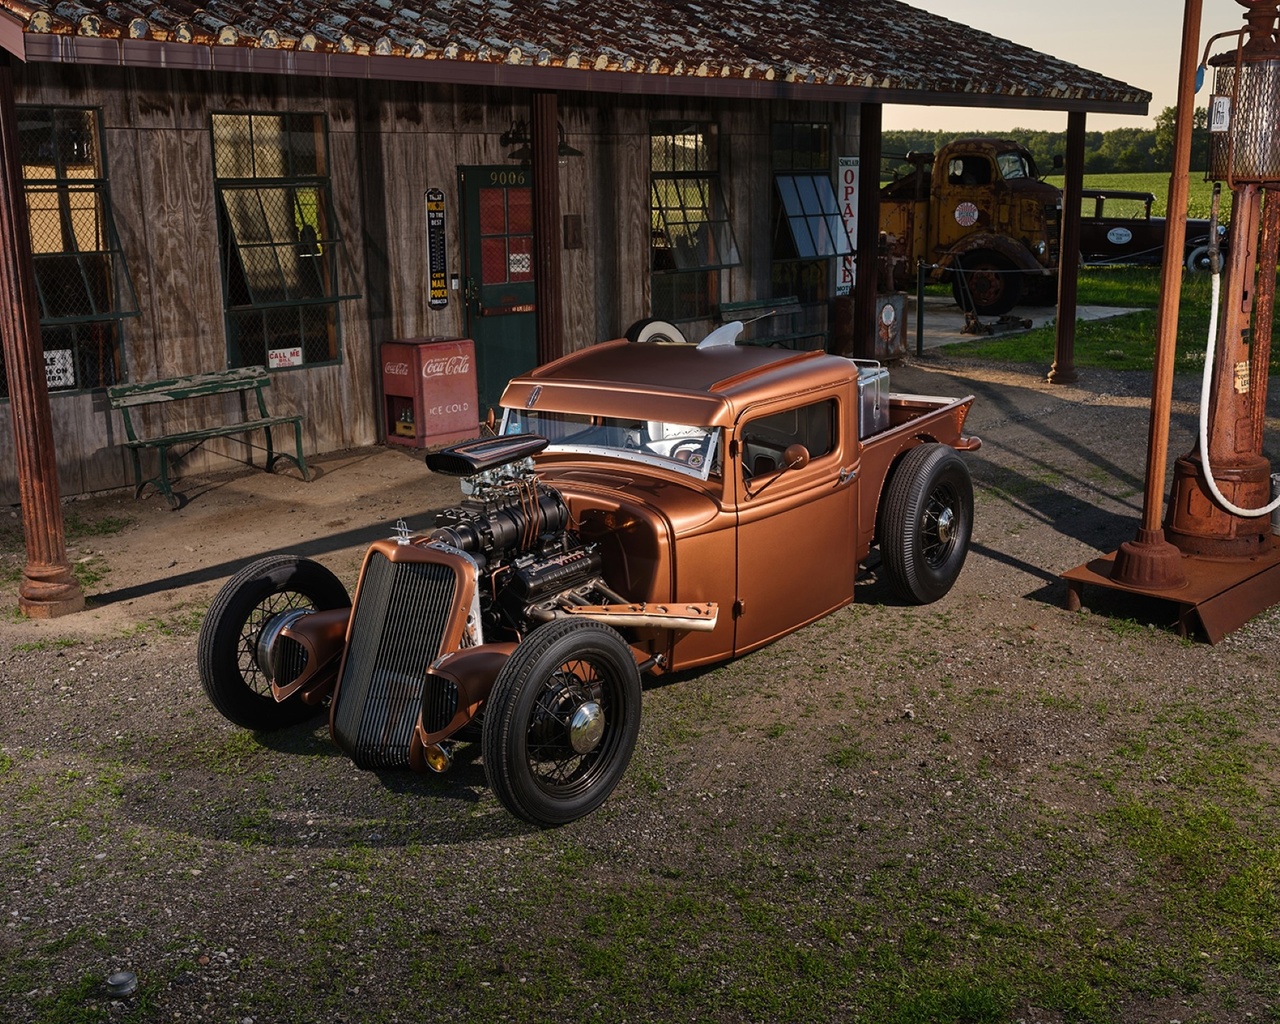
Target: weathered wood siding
column 388, row 143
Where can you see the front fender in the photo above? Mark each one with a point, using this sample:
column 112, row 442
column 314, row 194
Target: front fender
column 457, row 685
column 1018, row 254
column 322, row 635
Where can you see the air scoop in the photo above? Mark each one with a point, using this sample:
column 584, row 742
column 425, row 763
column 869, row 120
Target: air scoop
column 471, row 457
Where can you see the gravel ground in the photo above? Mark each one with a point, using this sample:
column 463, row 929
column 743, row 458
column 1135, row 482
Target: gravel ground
column 987, row 809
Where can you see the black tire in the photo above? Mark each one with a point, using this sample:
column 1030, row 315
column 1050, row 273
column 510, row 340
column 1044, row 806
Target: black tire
column 558, row 670
column 227, row 651
column 992, row 282
column 926, row 519
column 1198, row 260
column 656, row 331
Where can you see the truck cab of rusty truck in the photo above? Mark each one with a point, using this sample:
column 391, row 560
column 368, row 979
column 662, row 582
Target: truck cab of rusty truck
column 985, row 222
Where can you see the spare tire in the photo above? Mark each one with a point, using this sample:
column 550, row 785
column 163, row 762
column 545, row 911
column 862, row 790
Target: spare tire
column 658, row 331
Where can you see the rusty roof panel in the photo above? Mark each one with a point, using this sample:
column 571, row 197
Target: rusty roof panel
column 868, row 44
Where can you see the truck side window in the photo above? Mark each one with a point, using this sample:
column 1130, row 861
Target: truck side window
column 765, row 439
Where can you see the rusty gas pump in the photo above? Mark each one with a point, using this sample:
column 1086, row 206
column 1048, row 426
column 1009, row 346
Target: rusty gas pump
column 1216, row 556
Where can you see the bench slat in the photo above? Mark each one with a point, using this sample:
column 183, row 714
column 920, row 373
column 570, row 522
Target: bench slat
column 225, row 430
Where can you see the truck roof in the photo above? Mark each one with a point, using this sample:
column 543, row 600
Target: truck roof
column 679, row 383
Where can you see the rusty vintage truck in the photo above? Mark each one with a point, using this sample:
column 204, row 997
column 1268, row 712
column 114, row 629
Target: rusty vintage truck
column 643, row 508
column 979, row 216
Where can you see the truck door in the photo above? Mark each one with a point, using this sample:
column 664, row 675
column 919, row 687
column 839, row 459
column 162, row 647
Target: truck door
column 795, row 529
column 965, row 198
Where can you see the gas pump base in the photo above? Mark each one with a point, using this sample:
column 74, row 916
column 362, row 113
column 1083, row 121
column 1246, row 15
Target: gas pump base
column 1220, row 595
column 1197, row 525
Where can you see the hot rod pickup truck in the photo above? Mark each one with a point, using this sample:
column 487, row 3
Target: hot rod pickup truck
column 643, row 507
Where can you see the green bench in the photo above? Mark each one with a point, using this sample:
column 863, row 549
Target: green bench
column 129, row 398
column 780, row 323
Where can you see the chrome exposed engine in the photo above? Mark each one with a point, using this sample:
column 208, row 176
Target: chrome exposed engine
column 519, row 532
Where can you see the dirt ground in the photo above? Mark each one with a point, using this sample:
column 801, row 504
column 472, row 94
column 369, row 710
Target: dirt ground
column 862, row 772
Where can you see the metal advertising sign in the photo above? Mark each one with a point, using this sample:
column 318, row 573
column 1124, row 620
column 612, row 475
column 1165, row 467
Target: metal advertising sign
column 437, row 264
column 847, row 271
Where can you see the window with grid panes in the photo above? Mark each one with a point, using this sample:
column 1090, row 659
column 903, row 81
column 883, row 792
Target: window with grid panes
column 808, row 231
column 691, row 236
column 278, row 240
column 83, row 288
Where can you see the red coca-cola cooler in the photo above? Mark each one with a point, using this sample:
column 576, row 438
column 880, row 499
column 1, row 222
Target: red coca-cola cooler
column 429, row 391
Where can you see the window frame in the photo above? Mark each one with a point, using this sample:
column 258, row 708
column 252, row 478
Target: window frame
column 802, row 151
column 252, row 264
column 100, row 279
column 684, row 196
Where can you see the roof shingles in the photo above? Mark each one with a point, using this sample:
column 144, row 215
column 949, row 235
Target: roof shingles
column 881, row 44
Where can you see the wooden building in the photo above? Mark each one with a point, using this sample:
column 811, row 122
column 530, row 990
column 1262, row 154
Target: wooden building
column 299, row 184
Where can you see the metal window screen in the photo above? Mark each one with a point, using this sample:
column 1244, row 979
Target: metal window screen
column 82, row 282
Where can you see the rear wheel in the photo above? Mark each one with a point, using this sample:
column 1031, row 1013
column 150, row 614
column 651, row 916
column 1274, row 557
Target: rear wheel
column 926, row 518
column 227, row 653
column 561, row 721
column 986, row 282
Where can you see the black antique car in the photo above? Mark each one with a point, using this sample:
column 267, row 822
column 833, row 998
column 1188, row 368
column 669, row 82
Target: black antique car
column 1117, row 227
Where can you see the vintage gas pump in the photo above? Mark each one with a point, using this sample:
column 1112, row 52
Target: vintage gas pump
column 1220, row 502
column 1215, row 555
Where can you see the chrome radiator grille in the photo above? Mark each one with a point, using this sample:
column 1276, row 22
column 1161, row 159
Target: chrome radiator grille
column 440, row 703
column 397, row 630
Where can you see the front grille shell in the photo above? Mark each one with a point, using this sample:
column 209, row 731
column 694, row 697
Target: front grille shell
column 411, row 606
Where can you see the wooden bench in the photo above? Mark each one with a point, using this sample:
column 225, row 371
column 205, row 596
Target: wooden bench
column 779, row 323
column 129, row 397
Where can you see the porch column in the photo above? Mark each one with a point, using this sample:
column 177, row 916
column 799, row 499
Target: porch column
column 1064, row 352
column 547, row 290
column 48, row 589
column 871, row 119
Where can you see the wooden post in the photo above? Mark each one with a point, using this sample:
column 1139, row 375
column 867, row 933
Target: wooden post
column 871, row 117
column 48, row 589
column 1063, row 370
column 548, row 292
column 1149, row 559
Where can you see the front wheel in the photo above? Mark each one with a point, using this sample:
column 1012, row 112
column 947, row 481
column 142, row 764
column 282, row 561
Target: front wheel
column 561, row 721
column 987, row 283
column 1198, row 260
column 227, row 653
column 926, row 518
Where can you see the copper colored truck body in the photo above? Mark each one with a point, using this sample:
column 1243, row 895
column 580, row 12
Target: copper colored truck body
column 645, row 508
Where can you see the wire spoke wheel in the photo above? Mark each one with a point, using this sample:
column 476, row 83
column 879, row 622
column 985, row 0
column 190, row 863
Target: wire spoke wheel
column 561, row 721
column 227, row 653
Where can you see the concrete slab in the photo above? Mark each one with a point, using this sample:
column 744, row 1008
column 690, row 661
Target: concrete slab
column 944, row 320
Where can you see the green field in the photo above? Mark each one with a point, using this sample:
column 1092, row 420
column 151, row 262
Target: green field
column 1157, row 183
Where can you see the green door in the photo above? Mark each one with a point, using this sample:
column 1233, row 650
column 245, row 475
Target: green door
column 497, row 225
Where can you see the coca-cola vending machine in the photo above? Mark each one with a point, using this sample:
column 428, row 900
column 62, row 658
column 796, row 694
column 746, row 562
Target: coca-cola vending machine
column 429, row 391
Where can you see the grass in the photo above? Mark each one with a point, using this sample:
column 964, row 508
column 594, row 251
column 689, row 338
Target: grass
column 1124, row 342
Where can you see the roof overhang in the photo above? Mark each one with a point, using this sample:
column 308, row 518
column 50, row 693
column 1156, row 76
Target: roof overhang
column 171, row 55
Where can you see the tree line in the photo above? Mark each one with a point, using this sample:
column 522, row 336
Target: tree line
column 1119, row 151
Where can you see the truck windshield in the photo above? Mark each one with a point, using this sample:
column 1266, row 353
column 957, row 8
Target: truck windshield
column 1016, row 165
column 687, row 449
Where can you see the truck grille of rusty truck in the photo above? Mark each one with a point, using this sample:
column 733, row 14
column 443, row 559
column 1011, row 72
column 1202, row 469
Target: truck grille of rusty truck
column 406, row 614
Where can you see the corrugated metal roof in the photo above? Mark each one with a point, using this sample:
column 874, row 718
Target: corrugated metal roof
column 705, row 48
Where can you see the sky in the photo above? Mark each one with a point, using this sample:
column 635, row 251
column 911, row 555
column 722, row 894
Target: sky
column 1136, row 41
